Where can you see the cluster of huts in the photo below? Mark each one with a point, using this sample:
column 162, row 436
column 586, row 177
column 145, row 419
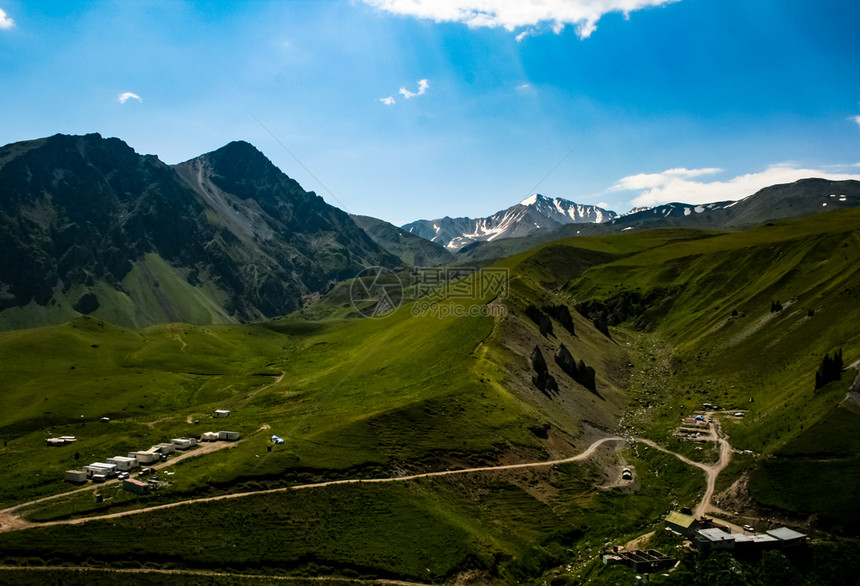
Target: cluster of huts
column 707, row 535
column 122, row 465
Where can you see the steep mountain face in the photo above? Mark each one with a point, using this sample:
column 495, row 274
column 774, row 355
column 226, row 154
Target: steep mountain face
column 411, row 249
column 285, row 242
column 533, row 214
column 88, row 225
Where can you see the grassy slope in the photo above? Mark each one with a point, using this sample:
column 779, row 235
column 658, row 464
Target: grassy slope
column 358, row 397
column 401, row 394
column 760, row 361
column 152, row 292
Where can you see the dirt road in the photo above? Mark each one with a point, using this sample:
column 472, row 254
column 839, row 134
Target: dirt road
column 10, row 521
column 711, row 470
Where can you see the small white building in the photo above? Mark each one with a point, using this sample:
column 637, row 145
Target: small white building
column 164, row 448
column 146, row 457
column 209, row 436
column 76, row 476
column 100, row 469
column 228, row 435
column 184, row 443
column 222, row 412
column 123, row 463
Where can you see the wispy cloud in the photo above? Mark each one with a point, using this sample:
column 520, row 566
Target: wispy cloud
column 516, row 14
column 5, row 21
column 126, row 96
column 423, row 84
column 678, row 185
column 856, row 119
column 388, row 101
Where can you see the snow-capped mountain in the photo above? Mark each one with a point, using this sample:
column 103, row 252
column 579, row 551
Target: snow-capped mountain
column 789, row 200
column 535, row 213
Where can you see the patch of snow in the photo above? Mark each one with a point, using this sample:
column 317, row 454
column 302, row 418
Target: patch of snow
column 824, row 204
column 699, row 209
column 530, row 200
column 627, row 228
column 687, row 211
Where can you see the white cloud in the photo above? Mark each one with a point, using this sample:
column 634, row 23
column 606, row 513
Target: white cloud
column 126, row 96
column 388, row 101
column 5, row 21
column 515, row 14
column 653, row 180
column 602, row 204
column 677, row 185
column 856, row 119
column 526, row 33
column 524, row 86
column 423, row 84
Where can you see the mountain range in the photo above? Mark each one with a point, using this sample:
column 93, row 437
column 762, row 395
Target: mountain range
column 533, row 214
column 89, row 226
column 801, row 198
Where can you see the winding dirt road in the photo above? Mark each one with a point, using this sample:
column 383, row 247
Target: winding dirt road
column 10, row 521
column 711, row 470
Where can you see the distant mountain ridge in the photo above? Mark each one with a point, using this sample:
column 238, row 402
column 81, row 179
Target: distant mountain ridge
column 88, row 225
column 534, row 213
column 787, row 200
column 802, row 198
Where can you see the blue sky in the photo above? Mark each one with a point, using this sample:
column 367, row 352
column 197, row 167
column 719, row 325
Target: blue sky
column 690, row 100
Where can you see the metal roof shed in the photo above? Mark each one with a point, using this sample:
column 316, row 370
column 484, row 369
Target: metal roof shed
column 788, row 536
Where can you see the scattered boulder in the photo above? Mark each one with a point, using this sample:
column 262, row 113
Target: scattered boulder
column 542, row 379
column 567, row 362
column 579, row 372
column 562, row 314
column 541, row 319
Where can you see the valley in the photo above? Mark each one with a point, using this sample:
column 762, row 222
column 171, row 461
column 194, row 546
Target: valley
column 418, row 448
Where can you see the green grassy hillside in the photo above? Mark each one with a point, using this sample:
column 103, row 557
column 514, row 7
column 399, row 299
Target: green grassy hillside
column 421, row 390
column 710, row 300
